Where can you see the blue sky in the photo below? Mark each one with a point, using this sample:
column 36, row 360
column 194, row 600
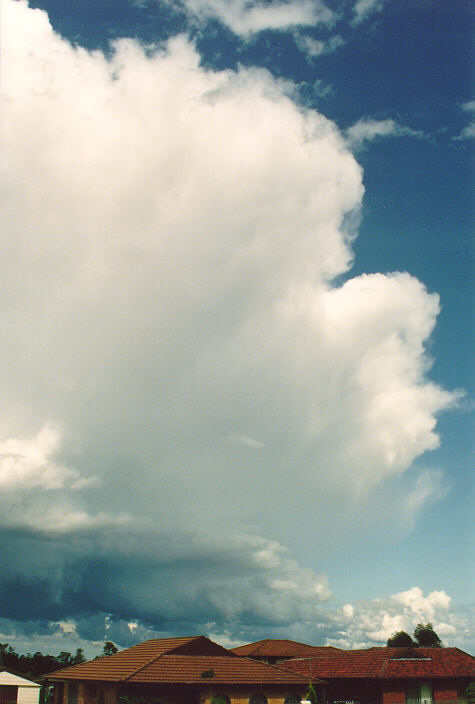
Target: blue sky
column 237, row 306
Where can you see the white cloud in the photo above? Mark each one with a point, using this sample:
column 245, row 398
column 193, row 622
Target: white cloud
column 27, row 463
column 173, row 234
column 469, row 131
column 245, row 18
column 367, row 130
column 172, row 259
column 373, row 621
column 363, row 9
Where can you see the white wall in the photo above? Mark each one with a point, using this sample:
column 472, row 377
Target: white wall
column 28, row 695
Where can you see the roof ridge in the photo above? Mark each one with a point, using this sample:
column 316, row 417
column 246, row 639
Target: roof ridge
column 202, row 655
column 166, row 652
column 262, row 643
column 142, row 667
column 156, row 657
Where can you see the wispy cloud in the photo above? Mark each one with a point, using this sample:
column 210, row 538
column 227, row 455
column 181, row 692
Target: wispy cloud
column 468, row 132
column 245, row 18
column 367, row 130
column 363, row 9
column 246, row 440
column 313, row 48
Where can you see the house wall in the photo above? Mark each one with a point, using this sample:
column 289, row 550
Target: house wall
column 445, row 691
column 85, row 693
column 394, row 693
column 90, row 693
column 178, row 695
column 28, row 695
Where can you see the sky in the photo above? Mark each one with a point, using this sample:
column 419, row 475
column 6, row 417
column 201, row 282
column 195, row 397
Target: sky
column 235, row 316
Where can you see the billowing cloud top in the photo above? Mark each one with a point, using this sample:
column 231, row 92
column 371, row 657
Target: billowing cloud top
column 171, row 328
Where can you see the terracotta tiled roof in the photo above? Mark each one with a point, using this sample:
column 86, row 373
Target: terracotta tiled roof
column 282, row 648
column 122, row 665
column 387, row 663
column 228, row 670
column 177, row 660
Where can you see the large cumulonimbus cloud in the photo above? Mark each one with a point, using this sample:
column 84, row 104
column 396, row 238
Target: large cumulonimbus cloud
column 176, row 359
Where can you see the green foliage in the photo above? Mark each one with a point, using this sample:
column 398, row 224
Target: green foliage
column 220, row 699
column 126, row 699
column 426, row 637
column 109, row 648
column 470, row 692
column 79, row 657
column 311, row 694
column 401, row 639
column 36, row 665
column 208, row 674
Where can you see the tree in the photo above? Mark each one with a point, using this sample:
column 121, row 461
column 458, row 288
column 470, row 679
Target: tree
column 401, row 639
column 109, row 648
column 79, row 657
column 208, row 675
column 311, row 694
column 426, row 637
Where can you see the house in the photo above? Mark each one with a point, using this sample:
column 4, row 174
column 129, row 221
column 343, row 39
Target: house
column 275, row 651
column 391, row 675
column 16, row 689
column 177, row 671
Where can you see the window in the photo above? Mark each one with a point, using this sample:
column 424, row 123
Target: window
column 59, row 693
column 73, row 690
column 258, row 699
column 419, row 693
column 8, row 694
column 426, row 693
column 292, row 699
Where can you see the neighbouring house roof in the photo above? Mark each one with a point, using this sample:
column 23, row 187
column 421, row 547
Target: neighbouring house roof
column 16, row 679
column 387, row 663
column 178, row 661
column 270, row 647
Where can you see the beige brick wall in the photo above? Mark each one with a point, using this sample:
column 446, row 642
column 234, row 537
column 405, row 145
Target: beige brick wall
column 242, row 695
